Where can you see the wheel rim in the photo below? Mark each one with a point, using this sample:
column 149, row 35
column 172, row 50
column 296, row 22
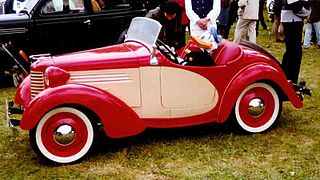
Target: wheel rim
column 64, row 135
column 257, row 107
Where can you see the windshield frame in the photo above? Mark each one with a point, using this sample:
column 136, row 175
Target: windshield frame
column 144, row 30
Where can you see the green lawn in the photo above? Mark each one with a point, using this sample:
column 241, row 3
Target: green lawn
column 291, row 150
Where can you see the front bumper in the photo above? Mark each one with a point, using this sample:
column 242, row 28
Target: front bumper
column 10, row 110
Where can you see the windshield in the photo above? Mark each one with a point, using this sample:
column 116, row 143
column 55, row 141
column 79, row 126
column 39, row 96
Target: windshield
column 30, row 4
column 144, row 30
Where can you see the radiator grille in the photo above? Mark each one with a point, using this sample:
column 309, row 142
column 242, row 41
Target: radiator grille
column 37, row 83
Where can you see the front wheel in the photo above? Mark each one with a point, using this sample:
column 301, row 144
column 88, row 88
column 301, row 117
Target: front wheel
column 63, row 135
column 257, row 108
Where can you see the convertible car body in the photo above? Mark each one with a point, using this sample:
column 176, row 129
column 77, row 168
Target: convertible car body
column 125, row 88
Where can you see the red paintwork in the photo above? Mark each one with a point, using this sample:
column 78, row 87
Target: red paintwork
column 23, row 93
column 111, row 57
column 53, row 123
column 230, row 77
column 112, row 112
column 57, row 76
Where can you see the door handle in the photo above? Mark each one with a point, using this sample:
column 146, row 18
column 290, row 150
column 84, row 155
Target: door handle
column 87, row 21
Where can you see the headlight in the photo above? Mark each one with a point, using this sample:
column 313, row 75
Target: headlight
column 54, row 76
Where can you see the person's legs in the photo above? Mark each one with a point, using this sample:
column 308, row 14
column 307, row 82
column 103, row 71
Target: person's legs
column 240, row 28
column 292, row 57
column 275, row 27
column 261, row 17
column 307, row 35
column 316, row 26
column 252, row 31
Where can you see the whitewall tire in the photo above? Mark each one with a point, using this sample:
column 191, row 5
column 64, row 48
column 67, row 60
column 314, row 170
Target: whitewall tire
column 257, row 108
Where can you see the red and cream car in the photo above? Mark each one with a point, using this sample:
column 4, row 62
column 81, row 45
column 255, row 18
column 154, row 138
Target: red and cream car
column 125, row 88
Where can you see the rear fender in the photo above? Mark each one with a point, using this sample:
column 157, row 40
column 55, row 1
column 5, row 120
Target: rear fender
column 117, row 118
column 249, row 76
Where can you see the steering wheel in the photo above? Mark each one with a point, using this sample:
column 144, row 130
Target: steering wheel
column 166, row 51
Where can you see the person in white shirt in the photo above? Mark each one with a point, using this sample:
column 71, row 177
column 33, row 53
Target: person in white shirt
column 202, row 14
column 14, row 6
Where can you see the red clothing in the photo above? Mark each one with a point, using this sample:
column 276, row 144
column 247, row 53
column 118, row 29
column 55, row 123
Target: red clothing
column 184, row 18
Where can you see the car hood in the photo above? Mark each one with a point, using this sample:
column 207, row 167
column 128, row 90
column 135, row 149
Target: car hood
column 124, row 55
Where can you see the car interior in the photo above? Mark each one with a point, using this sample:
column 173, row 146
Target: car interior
column 197, row 55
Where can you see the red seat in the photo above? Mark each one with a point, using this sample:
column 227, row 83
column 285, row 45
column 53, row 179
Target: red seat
column 226, row 53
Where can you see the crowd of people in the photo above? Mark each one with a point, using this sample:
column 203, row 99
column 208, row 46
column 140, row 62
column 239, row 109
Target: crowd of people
column 288, row 18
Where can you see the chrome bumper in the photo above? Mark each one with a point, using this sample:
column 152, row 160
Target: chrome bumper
column 12, row 122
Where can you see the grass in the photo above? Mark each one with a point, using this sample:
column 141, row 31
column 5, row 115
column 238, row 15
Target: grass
column 291, row 150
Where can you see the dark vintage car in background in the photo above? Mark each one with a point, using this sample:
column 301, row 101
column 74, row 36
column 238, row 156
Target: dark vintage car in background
column 60, row 26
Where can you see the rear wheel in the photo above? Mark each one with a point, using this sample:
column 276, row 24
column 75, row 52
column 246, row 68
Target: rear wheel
column 257, row 108
column 63, row 135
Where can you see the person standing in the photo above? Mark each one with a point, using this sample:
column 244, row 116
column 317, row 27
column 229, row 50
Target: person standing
column 184, row 18
column 312, row 21
column 202, row 14
column 292, row 28
column 248, row 16
column 277, row 28
column 168, row 15
column 232, row 16
column 223, row 19
column 261, row 17
column 14, row 6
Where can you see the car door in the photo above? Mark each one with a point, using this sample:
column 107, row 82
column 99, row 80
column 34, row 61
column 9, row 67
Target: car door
column 112, row 20
column 186, row 93
column 59, row 26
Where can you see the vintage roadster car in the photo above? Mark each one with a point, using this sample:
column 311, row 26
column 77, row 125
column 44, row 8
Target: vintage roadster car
column 125, row 88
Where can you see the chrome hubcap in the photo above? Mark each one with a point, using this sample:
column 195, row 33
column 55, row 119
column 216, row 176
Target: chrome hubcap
column 64, row 135
column 256, row 107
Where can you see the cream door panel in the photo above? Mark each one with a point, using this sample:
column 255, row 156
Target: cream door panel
column 151, row 94
column 122, row 83
column 186, row 93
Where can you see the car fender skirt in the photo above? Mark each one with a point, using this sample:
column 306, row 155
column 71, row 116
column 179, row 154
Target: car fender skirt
column 117, row 118
column 250, row 75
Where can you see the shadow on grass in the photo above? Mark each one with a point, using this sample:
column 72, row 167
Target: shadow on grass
column 166, row 136
column 288, row 122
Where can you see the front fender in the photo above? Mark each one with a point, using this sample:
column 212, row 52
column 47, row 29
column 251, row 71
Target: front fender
column 251, row 75
column 117, row 118
column 23, row 93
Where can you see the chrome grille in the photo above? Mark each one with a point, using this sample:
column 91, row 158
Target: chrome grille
column 37, row 83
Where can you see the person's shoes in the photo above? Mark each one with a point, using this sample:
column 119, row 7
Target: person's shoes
column 306, row 47
column 266, row 28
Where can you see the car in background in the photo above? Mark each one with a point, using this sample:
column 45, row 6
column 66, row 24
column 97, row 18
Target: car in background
column 61, row 26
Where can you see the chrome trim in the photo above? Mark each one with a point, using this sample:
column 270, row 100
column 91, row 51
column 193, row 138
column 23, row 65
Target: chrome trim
column 13, row 31
column 64, row 135
column 256, row 107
